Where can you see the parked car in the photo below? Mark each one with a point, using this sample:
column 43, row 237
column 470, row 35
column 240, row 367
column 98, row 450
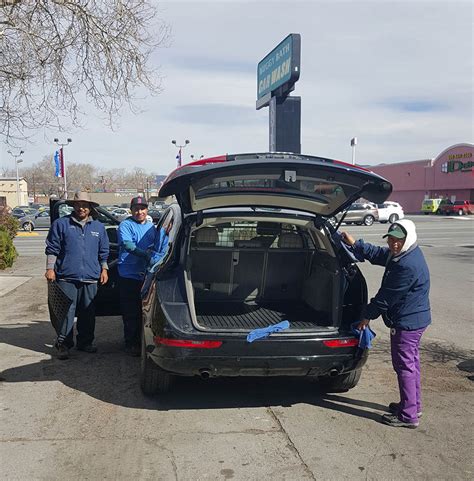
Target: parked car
column 458, row 207
column 444, row 207
column 155, row 214
column 430, row 206
column 120, row 213
column 31, row 222
column 358, row 213
column 251, row 246
column 390, row 211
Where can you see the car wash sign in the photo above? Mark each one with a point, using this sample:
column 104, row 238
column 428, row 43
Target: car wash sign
column 280, row 69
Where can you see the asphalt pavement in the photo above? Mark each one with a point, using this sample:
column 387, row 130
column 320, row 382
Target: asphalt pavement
column 86, row 418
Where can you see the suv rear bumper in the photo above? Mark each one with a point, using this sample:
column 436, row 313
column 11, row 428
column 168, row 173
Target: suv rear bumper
column 190, row 364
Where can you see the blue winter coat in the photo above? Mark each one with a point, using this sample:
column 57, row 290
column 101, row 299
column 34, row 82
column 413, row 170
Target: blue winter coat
column 403, row 298
column 80, row 251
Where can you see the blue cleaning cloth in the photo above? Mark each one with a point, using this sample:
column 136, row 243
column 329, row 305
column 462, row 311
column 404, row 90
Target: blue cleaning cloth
column 266, row 331
column 365, row 336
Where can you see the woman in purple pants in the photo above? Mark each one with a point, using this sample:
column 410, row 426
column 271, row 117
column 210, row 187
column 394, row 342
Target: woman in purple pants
column 403, row 302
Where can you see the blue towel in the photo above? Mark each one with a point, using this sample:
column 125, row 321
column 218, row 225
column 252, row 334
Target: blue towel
column 365, row 336
column 266, row 331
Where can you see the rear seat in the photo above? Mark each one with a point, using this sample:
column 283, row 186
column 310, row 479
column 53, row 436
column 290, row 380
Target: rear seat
column 286, row 267
column 211, row 266
column 251, row 269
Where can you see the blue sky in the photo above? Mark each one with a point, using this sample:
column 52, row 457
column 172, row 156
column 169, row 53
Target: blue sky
column 398, row 75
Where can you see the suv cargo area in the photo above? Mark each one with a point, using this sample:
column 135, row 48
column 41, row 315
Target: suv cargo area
column 247, row 274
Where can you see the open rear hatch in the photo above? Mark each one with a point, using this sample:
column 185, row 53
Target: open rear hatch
column 286, row 181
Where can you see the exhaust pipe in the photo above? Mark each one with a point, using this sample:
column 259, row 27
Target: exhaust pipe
column 335, row 371
column 204, row 373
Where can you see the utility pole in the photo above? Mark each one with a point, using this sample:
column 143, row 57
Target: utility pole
column 17, row 161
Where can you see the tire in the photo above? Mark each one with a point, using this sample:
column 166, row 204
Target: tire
column 341, row 383
column 393, row 218
column 153, row 380
column 460, row 212
column 369, row 220
column 27, row 226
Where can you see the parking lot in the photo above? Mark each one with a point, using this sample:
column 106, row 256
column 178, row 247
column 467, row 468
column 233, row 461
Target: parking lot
column 87, row 418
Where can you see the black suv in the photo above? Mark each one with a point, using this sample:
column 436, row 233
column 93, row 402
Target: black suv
column 251, row 245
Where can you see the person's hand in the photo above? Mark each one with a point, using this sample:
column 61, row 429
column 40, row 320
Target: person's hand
column 50, row 275
column 347, row 238
column 104, row 277
column 363, row 324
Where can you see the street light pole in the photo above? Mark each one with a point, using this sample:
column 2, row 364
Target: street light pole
column 353, row 145
column 17, row 161
column 62, row 145
column 180, row 147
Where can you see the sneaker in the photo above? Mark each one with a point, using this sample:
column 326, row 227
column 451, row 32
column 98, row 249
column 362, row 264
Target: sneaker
column 133, row 350
column 63, row 351
column 393, row 408
column 392, row 420
column 90, row 348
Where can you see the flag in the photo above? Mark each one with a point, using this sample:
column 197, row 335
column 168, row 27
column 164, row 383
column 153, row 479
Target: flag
column 178, row 158
column 59, row 163
column 57, row 171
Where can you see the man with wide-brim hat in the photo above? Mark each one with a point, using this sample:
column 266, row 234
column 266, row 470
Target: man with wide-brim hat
column 77, row 249
column 81, row 197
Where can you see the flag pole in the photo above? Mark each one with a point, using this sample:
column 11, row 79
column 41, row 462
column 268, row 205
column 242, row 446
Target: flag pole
column 62, row 163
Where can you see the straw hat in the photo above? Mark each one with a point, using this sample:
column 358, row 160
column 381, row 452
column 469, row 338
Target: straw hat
column 81, row 197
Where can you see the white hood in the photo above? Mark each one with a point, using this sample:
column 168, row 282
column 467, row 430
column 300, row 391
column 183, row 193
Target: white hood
column 410, row 229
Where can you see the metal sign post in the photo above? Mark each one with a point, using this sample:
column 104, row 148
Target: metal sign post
column 277, row 74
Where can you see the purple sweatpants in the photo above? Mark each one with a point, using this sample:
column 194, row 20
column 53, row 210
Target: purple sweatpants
column 406, row 362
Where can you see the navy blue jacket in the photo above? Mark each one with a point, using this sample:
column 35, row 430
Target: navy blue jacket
column 403, row 298
column 80, row 251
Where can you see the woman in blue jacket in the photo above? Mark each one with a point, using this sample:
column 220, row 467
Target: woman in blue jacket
column 403, row 302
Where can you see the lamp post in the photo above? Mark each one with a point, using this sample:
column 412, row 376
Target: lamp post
column 63, row 163
column 353, row 145
column 17, row 161
column 180, row 147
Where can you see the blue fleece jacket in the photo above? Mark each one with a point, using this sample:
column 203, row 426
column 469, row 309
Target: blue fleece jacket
column 403, row 297
column 136, row 241
column 80, row 251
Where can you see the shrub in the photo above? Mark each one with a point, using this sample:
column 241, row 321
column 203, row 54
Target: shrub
column 9, row 224
column 7, row 250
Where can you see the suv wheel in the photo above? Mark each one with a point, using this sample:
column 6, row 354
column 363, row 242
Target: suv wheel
column 27, row 226
column 460, row 212
column 153, row 380
column 369, row 220
column 341, row 383
column 393, row 218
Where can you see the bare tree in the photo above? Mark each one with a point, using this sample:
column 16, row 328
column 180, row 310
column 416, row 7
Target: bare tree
column 55, row 53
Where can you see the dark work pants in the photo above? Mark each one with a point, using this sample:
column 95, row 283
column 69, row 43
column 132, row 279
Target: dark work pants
column 82, row 295
column 131, row 307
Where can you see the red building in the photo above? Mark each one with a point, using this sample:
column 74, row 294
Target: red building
column 450, row 175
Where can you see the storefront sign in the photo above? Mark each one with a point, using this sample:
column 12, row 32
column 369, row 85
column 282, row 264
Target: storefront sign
column 458, row 165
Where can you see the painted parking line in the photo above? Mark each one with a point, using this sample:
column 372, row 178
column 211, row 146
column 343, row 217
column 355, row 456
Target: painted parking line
column 27, row 234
